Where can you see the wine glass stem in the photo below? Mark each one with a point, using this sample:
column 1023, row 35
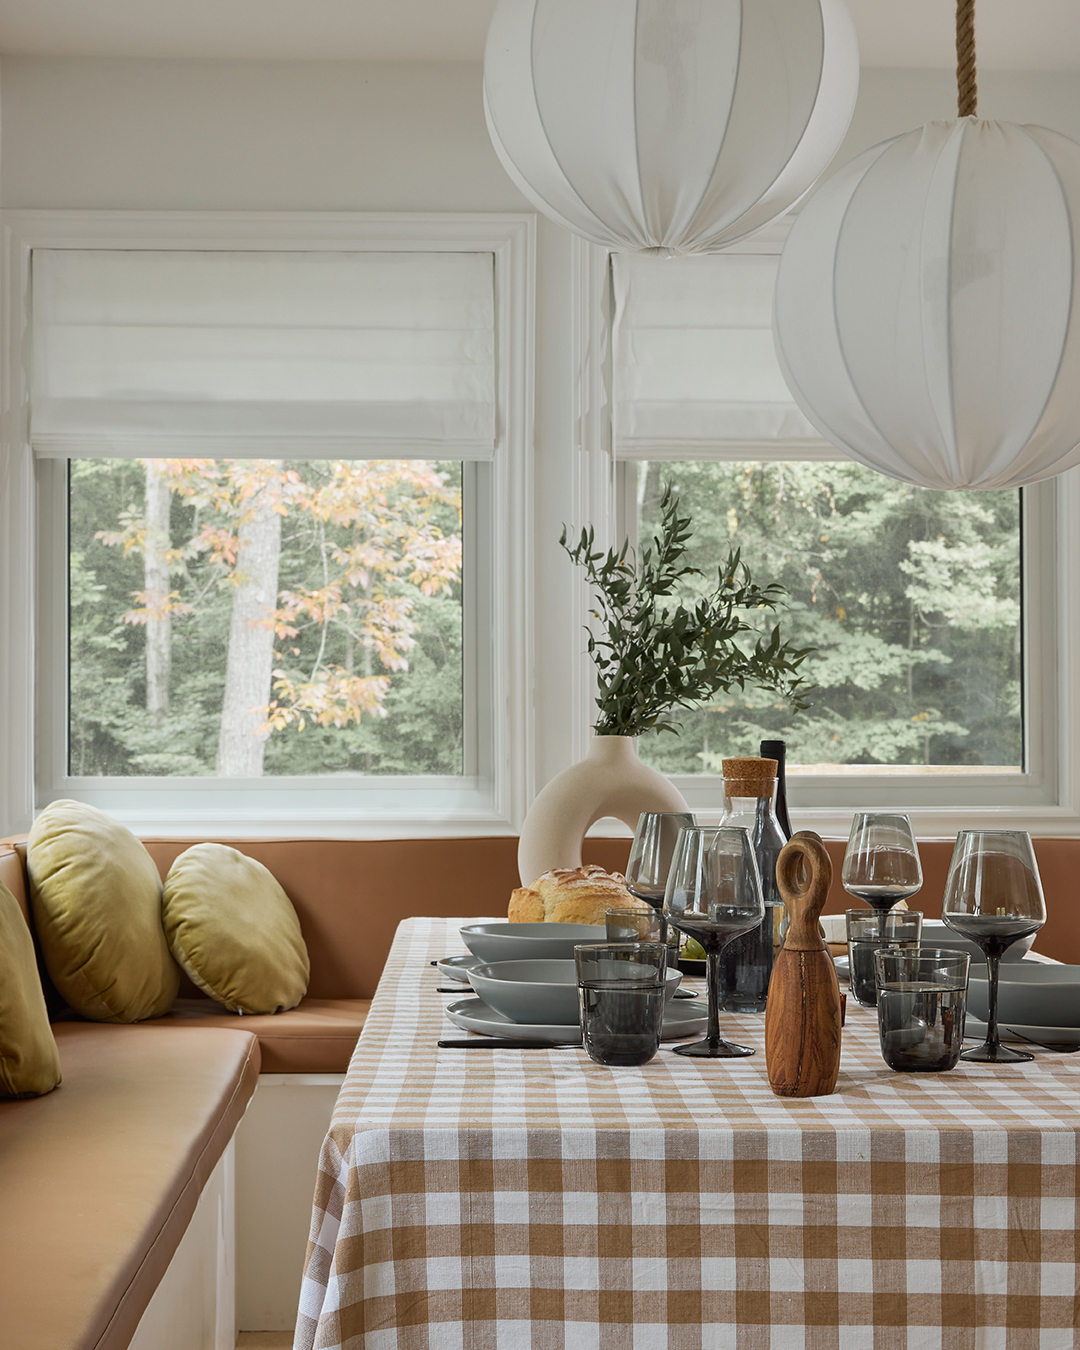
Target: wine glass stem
column 712, row 980
column 663, row 928
column 993, row 960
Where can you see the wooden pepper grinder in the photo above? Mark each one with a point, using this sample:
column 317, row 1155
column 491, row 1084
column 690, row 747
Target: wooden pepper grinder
column 802, row 1015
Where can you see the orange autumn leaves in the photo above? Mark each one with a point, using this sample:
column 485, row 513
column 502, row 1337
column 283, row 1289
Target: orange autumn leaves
column 371, row 524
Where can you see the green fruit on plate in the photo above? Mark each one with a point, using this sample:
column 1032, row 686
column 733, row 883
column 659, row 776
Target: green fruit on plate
column 693, row 951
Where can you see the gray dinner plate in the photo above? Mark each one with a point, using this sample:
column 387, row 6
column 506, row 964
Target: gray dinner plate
column 457, row 967
column 537, row 991
column 473, row 1014
column 1030, row 994
column 529, row 941
column 974, row 1030
column 978, row 965
column 938, row 934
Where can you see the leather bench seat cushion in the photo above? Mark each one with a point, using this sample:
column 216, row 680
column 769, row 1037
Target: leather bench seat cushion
column 317, row 1036
column 99, row 1180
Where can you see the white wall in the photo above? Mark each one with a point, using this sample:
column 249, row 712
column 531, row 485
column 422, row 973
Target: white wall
column 214, row 135
column 894, row 101
column 334, row 136
column 378, row 136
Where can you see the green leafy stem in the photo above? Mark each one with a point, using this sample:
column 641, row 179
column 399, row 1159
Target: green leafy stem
column 657, row 654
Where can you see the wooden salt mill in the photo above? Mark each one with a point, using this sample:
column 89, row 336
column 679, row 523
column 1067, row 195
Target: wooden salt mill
column 802, row 1016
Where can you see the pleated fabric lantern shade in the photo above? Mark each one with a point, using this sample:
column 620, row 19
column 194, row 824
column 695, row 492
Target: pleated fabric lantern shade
column 668, row 126
column 926, row 314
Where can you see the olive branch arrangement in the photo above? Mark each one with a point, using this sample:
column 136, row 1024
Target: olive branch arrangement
column 658, row 654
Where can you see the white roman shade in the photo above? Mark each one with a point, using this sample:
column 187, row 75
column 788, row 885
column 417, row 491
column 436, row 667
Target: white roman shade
column 695, row 375
column 301, row 355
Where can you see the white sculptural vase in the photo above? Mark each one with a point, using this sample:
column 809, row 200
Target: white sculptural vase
column 610, row 781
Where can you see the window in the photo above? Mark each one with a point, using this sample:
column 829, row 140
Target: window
column 274, row 465
column 910, row 597
column 945, row 655
column 178, row 665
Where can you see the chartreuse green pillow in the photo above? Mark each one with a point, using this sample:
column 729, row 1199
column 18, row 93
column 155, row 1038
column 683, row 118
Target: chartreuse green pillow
column 96, row 897
column 29, row 1064
column 234, row 930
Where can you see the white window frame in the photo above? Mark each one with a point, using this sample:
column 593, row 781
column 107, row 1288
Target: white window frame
column 1045, row 799
column 491, row 797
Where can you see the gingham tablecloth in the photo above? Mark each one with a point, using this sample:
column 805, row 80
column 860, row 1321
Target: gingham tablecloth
column 520, row 1200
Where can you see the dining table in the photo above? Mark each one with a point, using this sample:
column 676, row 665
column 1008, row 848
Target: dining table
column 527, row 1199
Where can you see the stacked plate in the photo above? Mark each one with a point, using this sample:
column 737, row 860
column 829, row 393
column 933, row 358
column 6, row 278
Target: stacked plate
column 526, row 979
column 1036, row 1002
column 935, row 933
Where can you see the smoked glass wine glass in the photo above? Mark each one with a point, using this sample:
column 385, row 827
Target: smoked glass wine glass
column 714, row 894
column 993, row 895
column 881, row 862
column 650, row 857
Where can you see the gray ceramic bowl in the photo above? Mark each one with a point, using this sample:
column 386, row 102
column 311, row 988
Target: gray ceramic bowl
column 529, row 941
column 937, row 934
column 537, row 991
column 1030, row 995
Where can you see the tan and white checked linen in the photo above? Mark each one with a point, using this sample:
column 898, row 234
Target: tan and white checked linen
column 521, row 1200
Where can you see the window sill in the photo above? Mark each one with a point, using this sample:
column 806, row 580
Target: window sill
column 295, row 808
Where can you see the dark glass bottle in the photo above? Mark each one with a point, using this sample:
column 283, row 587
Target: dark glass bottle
column 746, row 964
column 778, row 750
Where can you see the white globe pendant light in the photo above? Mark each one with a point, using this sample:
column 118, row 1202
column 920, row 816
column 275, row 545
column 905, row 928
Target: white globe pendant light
column 668, row 126
column 927, row 317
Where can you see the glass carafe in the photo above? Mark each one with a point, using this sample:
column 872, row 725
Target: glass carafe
column 749, row 804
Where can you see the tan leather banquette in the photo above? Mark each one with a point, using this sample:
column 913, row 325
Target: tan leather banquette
column 351, row 894
column 99, row 1179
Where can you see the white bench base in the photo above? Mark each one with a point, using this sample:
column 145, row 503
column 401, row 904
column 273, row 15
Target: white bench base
column 277, row 1156
column 239, row 1265
column 194, row 1306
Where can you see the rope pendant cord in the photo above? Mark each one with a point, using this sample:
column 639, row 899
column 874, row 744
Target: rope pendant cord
column 967, row 91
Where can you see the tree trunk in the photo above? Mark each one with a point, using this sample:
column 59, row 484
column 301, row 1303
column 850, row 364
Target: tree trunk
column 249, row 668
column 156, row 582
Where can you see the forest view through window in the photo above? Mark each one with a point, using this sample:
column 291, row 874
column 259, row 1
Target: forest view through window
column 912, row 598
column 242, row 618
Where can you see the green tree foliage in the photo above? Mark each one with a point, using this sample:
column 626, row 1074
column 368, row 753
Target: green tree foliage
column 368, row 658
column 910, row 597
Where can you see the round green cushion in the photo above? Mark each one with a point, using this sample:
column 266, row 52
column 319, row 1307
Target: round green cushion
column 234, row 930
column 29, row 1063
column 96, row 897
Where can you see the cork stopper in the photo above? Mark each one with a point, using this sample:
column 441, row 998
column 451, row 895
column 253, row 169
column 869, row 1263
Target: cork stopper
column 749, row 777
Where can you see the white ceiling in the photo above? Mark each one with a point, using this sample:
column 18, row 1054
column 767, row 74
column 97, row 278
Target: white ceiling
column 1012, row 34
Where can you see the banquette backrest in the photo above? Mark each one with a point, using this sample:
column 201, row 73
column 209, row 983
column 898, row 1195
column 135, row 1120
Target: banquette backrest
column 350, row 894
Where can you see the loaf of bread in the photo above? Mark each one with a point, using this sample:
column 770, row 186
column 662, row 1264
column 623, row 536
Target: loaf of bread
column 571, row 895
